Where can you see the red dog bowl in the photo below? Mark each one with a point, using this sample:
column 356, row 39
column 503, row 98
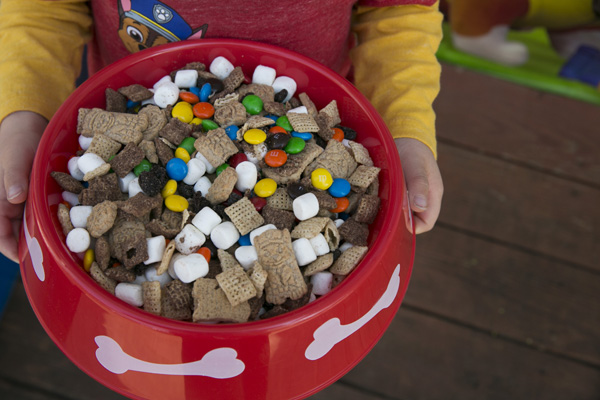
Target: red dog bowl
column 144, row 356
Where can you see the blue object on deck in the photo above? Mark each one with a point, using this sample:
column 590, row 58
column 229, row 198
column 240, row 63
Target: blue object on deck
column 9, row 271
column 583, row 66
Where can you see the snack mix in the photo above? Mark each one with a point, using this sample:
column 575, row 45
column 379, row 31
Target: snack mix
column 212, row 197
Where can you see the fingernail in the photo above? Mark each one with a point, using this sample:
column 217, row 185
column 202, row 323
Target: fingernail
column 420, row 201
column 14, row 192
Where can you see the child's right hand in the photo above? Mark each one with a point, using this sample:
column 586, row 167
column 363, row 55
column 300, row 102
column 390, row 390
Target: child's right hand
column 20, row 134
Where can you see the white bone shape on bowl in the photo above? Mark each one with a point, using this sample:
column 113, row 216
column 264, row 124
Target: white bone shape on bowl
column 220, row 363
column 35, row 251
column 333, row 332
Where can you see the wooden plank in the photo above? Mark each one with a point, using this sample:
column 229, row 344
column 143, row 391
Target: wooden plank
column 8, row 390
column 422, row 357
column 521, row 206
column 542, row 130
column 341, row 391
column 528, row 298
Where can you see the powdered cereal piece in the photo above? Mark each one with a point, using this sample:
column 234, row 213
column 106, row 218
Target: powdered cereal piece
column 244, row 216
column 231, row 113
column 101, row 188
column 154, row 180
column 152, row 294
column 172, row 218
column 374, row 187
column 120, row 274
column 331, row 235
column 157, row 119
column 64, row 218
column 211, row 304
column 158, row 228
column 67, row 182
column 124, row 162
column 102, row 218
column 105, row 282
column 179, row 294
column 140, row 204
column 226, row 99
column 324, row 122
column 257, row 121
column 175, row 131
column 103, row 146
column 302, row 122
column 122, row 127
column 326, row 201
column 335, row 159
column 348, row 260
column 294, row 166
column 265, row 92
column 276, row 255
column 354, row 232
column 310, row 106
column 102, row 252
column 222, row 187
column 309, row 228
column 216, row 146
column 127, row 239
column 168, row 310
column 275, row 108
column 237, row 285
column 282, row 219
column 100, row 171
column 362, row 177
column 149, row 150
column 166, row 258
column 353, row 199
column 115, row 101
column 136, row 92
column 331, row 110
column 227, row 260
column 320, row 264
column 360, row 153
column 280, row 200
column 164, row 152
column 234, row 80
column 367, row 209
column 258, row 276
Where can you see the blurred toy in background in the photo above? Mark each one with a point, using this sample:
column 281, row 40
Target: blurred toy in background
column 480, row 27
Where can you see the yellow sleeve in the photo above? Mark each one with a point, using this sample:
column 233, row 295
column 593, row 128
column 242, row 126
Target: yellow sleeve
column 42, row 44
column 396, row 68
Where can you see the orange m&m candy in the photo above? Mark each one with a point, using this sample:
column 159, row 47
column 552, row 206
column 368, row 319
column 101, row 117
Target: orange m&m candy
column 189, row 97
column 338, row 134
column 277, row 129
column 342, row 204
column 203, row 110
column 275, row 158
column 205, row 251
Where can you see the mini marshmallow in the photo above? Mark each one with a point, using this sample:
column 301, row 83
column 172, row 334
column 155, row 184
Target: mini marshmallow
column 345, row 246
column 130, row 293
column 196, row 169
column 89, row 162
column 151, row 276
column 264, row 75
column 206, row 220
column 84, row 142
column 166, row 94
column 156, row 248
column 171, row 269
column 221, row 67
column 189, row 240
column 247, row 175
column 338, row 222
column 148, row 101
column 319, row 245
column 346, row 142
column 303, row 251
column 186, row 78
column 287, row 83
column 246, row 255
column 79, row 215
column 321, row 283
column 125, row 181
column 71, row 198
column 202, row 185
column 209, row 168
column 74, row 169
column 299, row 110
column 224, row 235
column 191, row 267
column 162, row 81
column 134, row 187
column 78, row 240
column 139, row 279
column 260, row 230
column 305, row 206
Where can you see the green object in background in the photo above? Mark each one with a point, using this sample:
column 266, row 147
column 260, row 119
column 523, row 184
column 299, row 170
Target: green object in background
column 539, row 72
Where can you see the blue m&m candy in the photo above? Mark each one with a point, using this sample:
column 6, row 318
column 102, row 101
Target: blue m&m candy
column 339, row 188
column 302, row 135
column 244, row 240
column 177, row 169
column 205, row 92
column 232, row 131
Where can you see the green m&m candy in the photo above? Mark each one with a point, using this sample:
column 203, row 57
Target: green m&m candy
column 294, row 146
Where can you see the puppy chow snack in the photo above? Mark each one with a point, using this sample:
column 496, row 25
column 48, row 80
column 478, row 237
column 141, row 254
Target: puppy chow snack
column 211, row 199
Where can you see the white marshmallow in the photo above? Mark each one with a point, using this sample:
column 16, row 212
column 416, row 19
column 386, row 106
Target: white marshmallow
column 247, row 175
column 321, row 283
column 186, row 78
column 209, row 168
column 150, row 275
column 246, row 255
column 206, row 220
column 338, row 222
column 189, row 240
column 221, row 67
column 171, row 269
column 319, row 245
column 74, row 169
column 156, row 248
column 78, row 240
column 260, row 230
column 125, row 181
column 224, row 235
column 148, row 101
column 139, row 279
column 71, row 198
column 166, row 94
column 202, row 185
column 264, row 75
column 130, row 293
column 89, row 162
column 299, row 110
column 85, row 142
column 345, row 246
column 191, row 267
column 79, row 215
column 161, row 81
column 303, row 251
column 346, row 142
column 305, row 206
column 196, row 169
column 134, row 187
column 287, row 83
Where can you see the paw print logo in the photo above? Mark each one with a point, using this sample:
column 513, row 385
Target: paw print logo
column 162, row 15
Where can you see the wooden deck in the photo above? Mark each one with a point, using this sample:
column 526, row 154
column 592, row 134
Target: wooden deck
column 504, row 298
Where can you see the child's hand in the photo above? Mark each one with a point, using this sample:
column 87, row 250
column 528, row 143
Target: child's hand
column 424, row 182
column 20, row 133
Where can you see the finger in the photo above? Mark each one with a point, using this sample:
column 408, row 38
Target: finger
column 16, row 177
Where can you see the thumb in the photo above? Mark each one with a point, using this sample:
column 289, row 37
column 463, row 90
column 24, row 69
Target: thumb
column 417, row 184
